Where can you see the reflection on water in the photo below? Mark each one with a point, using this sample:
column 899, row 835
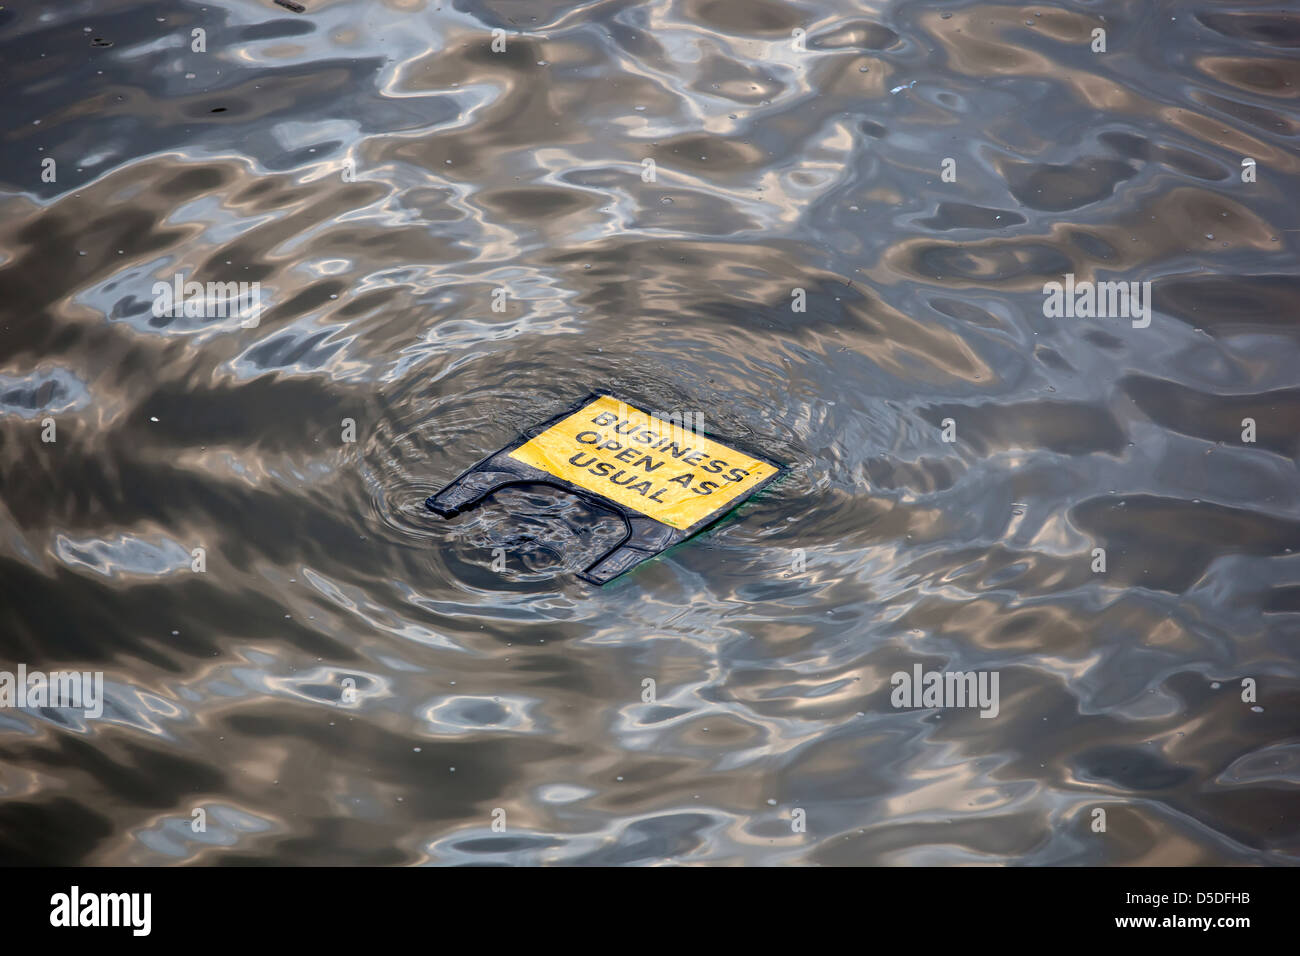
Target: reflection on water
column 452, row 242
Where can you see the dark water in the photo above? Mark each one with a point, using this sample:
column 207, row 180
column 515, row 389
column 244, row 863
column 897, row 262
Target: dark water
column 350, row 681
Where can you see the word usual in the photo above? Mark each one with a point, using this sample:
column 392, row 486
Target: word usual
column 71, row 690
column 103, row 909
column 946, row 689
column 218, row 300
column 1098, row 300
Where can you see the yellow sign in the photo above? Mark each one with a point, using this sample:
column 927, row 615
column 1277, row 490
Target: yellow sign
column 672, row 474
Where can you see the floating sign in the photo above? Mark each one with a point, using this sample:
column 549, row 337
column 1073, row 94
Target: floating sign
column 666, row 481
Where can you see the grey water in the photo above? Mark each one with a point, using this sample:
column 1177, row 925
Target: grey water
column 824, row 227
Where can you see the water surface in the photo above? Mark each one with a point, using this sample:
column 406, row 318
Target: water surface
column 350, row 679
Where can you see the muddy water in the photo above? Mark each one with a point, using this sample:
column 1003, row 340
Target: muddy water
column 293, row 645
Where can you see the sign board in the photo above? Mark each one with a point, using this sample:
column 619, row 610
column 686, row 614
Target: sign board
column 666, row 480
column 656, row 467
